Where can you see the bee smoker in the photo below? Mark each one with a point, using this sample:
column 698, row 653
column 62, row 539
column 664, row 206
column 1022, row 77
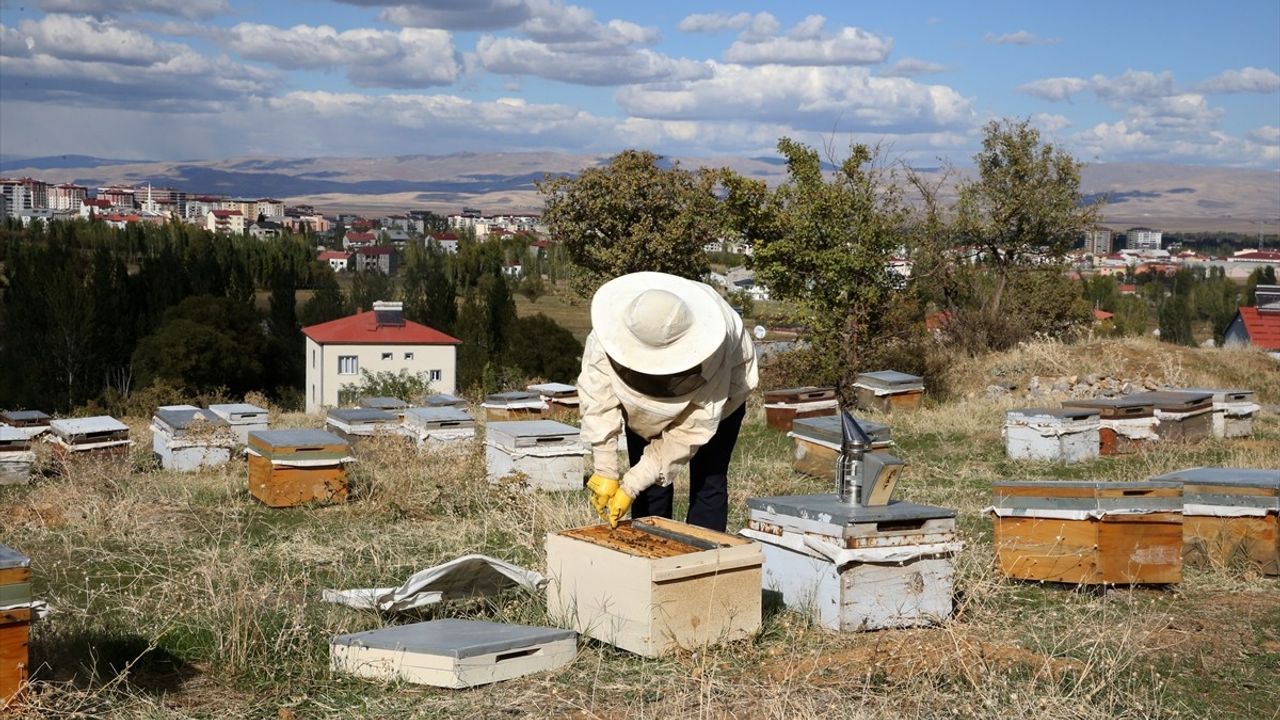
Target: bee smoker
column 863, row 476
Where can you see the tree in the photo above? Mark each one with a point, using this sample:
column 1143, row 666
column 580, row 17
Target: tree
column 1175, row 321
column 543, row 348
column 370, row 286
column 633, row 215
column 409, row 387
column 205, row 343
column 1265, row 275
column 327, row 302
column 287, row 350
column 430, row 295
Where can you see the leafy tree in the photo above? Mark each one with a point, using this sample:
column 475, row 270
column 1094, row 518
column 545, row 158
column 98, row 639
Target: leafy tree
column 287, row 349
column 632, row 214
column 1262, row 276
column 202, row 344
column 543, row 348
column 430, row 295
column 370, row 286
column 409, row 387
column 1175, row 321
column 327, row 302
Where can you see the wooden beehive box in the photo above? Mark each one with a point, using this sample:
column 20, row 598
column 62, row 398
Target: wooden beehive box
column 16, row 456
column 561, row 399
column 243, row 418
column 817, row 443
column 1230, row 515
column 855, row 568
column 15, row 620
column 888, row 390
column 544, row 454
column 654, row 585
column 1184, row 416
column 1089, row 533
column 783, row 407
column 440, row 425
column 1233, row 411
column 32, row 422
column 356, row 424
column 514, row 405
column 189, row 439
column 1065, row 435
column 1126, row 424
column 393, row 405
column 99, row 436
column 294, row 467
column 452, row 653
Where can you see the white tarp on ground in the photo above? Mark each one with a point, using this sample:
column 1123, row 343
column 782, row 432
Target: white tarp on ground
column 468, row 576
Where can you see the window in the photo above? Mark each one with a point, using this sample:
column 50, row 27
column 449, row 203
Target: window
column 386, row 356
column 435, row 375
column 313, row 358
column 408, row 356
column 348, row 365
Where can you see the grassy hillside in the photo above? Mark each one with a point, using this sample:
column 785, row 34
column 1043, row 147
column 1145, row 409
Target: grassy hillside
column 181, row 596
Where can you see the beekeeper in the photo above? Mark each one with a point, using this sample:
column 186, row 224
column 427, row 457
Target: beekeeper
column 669, row 363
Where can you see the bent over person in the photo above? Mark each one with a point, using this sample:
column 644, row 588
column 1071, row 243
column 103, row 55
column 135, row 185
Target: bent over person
column 669, row 363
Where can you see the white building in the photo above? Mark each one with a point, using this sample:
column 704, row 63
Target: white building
column 225, row 221
column 1141, row 238
column 377, row 340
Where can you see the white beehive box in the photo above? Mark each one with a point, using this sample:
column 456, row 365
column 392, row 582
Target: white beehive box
column 33, row 423
column 546, row 454
column 187, row 438
column 393, row 405
column 243, row 417
column 452, row 653
column 440, row 426
column 654, row 585
column 1233, row 411
column 98, row 436
column 356, row 423
column 16, row 456
column 1066, row 435
column 855, row 568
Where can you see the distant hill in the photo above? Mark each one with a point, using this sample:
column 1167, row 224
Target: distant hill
column 1171, row 197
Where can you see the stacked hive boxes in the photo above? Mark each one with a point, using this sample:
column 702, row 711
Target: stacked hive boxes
column 1230, row 515
column 1067, row 435
column 514, row 405
column 293, row 467
column 355, row 424
column 15, row 620
column 888, row 390
column 16, row 456
column 561, row 399
column 439, row 426
column 783, row 407
column 31, row 422
column 189, row 439
column 1126, row 423
column 817, row 443
column 243, row 418
column 1183, row 416
column 96, row 437
column 545, row 454
column 1233, row 411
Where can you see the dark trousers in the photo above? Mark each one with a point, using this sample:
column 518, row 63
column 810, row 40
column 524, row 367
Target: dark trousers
column 708, row 478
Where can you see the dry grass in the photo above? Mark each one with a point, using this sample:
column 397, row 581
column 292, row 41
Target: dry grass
column 179, row 596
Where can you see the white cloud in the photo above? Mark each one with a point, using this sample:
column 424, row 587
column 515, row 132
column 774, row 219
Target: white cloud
column 552, row 21
column 912, row 67
column 1051, row 122
column 715, row 22
column 1133, row 84
column 1267, row 135
column 411, row 57
column 514, row 56
column 1247, row 79
column 1054, row 89
column 450, row 14
column 808, row 44
column 1021, row 37
column 192, row 9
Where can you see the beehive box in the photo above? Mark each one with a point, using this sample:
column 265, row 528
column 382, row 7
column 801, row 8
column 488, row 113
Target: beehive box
column 393, row 405
column 439, row 426
column 1230, row 515
column 294, row 467
column 783, row 407
column 1233, row 411
column 1126, row 424
column 652, row 585
column 32, row 422
column 855, row 568
column 452, row 653
column 1065, row 435
column 514, row 405
column 99, row 436
column 443, row 400
column 1089, row 533
column 888, row 390
column 561, row 399
column 817, row 443
column 16, row 456
column 356, row 424
column 189, row 439
column 243, row 418
column 1184, row 416
column 15, row 620
column 544, row 454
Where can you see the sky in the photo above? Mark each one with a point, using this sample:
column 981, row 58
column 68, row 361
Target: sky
column 1171, row 81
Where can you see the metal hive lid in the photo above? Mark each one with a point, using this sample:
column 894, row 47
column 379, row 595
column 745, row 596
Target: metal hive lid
column 1062, row 413
column 1084, row 484
column 296, row 438
column 455, row 638
column 821, row 392
column 554, row 388
column 1175, row 399
column 85, row 426
column 510, row 396
column 437, row 414
column 10, row 434
column 1239, row 477
column 889, row 378
column 361, row 415
column 238, row 409
column 829, row 508
column 827, row 428
column 383, row 403
column 442, row 400
column 182, row 419
column 10, row 558
column 1123, row 401
column 532, row 428
column 25, row 416
column 1221, row 394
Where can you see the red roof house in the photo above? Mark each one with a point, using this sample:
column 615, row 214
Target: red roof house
column 1254, row 326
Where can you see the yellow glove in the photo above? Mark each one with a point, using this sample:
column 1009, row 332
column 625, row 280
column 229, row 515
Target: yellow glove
column 602, row 488
column 619, row 504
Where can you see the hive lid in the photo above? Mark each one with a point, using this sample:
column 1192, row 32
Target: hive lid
column 237, row 409
column 25, row 417
column 554, row 389
column 806, row 393
column 829, row 509
column 890, row 379
column 11, row 434
column 1062, row 413
column 443, row 400
column 826, row 429
column 87, row 426
column 1127, row 407
column 510, row 397
column 437, row 414
column 383, row 403
column 1236, row 477
column 182, row 419
column 295, row 438
column 182, row 406
column 455, row 638
column 1221, row 395
column 1175, row 400
column 532, row 428
column 1090, row 485
column 362, row 415
column 10, row 558
column 1087, row 496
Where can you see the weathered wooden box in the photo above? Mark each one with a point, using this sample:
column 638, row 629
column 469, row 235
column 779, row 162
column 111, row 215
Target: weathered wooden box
column 187, row 440
column 544, row 454
column 1230, row 515
column 294, row 467
column 16, row 456
column 1126, row 424
column 857, row 568
column 15, row 620
column 1065, row 435
column 32, row 422
column 888, row 390
column 243, row 418
column 817, row 443
column 356, row 424
column 1233, row 411
column 1089, row 533
column 783, row 407
column 1184, row 416
column 91, row 437
column 452, row 653
column 443, row 400
column 561, row 399
column 393, row 405
column 440, row 426
column 514, row 405
column 654, row 585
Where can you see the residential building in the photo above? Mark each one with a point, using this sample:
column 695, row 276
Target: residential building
column 94, row 207
column 354, row 239
column 198, row 206
column 1142, row 238
column 67, row 197
column 225, row 221
column 1259, row 325
column 14, row 198
column 266, row 230
column 1098, row 241
column 301, row 222
column 377, row 340
column 120, row 197
column 447, row 241
column 336, row 260
column 374, row 257
column 38, row 192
